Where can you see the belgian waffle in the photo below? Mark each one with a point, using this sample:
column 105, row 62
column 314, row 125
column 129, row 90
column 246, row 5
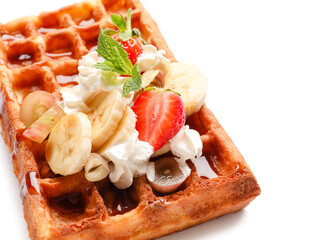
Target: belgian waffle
column 42, row 53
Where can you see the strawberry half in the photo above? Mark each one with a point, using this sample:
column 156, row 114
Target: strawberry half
column 160, row 116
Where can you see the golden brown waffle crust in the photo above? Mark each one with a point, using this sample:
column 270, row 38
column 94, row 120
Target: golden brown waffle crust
column 197, row 201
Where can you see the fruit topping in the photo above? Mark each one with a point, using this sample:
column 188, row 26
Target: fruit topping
column 129, row 38
column 124, row 129
column 165, row 175
column 69, row 144
column 120, row 52
column 116, row 60
column 132, row 46
column 153, row 77
column 97, row 168
column 40, row 129
column 160, row 116
column 152, row 58
column 107, row 109
column 163, row 150
column 35, row 105
column 190, row 82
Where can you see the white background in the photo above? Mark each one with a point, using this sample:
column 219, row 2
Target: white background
column 260, row 59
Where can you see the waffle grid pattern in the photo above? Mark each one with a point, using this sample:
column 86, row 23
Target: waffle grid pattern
column 42, row 53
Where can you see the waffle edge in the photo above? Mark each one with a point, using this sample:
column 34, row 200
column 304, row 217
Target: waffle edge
column 199, row 200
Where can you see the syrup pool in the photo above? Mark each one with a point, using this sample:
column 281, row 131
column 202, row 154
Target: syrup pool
column 204, row 169
column 29, row 185
column 64, row 80
column 86, row 23
column 60, row 55
column 68, row 203
column 21, row 60
column 12, row 37
column 43, row 30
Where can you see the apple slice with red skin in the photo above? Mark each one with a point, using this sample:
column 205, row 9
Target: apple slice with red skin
column 35, row 105
column 40, row 129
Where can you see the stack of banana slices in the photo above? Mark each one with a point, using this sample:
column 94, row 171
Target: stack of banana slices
column 79, row 140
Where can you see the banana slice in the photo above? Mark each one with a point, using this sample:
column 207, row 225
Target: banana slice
column 148, row 77
column 165, row 148
column 153, row 78
column 190, row 82
column 69, row 144
column 123, row 131
column 107, row 111
column 97, row 168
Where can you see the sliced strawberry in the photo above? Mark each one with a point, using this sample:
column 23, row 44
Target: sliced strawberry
column 132, row 46
column 160, row 116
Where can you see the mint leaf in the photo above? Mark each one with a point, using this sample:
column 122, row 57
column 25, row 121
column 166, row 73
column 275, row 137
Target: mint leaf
column 105, row 66
column 133, row 83
column 119, row 22
column 116, row 61
column 116, row 58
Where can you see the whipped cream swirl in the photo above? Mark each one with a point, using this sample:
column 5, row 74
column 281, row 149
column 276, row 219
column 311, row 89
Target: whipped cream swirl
column 185, row 145
column 89, row 83
column 129, row 158
column 151, row 58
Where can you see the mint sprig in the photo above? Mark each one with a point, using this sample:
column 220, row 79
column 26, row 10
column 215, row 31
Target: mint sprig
column 115, row 57
column 124, row 27
column 116, row 60
column 133, row 83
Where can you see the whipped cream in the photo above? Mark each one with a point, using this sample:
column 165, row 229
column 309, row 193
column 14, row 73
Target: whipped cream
column 151, row 58
column 186, row 144
column 129, row 158
column 89, row 83
column 90, row 78
column 73, row 100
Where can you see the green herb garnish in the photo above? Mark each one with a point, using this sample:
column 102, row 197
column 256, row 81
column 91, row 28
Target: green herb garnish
column 125, row 30
column 134, row 83
column 116, row 60
column 115, row 57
